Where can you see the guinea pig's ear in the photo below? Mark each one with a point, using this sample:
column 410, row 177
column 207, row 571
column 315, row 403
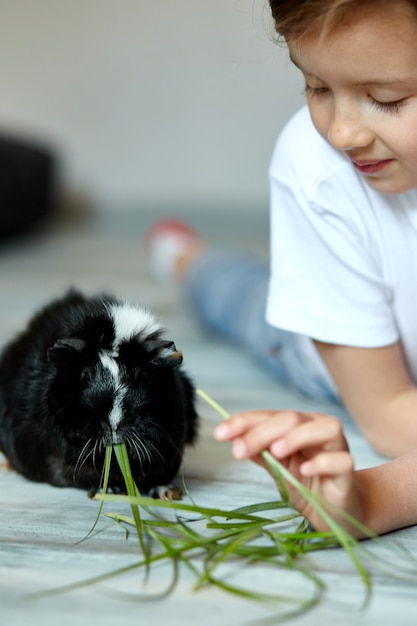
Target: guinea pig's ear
column 65, row 349
column 169, row 351
column 161, row 349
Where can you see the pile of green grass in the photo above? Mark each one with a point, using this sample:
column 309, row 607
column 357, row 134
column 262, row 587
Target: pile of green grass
column 203, row 539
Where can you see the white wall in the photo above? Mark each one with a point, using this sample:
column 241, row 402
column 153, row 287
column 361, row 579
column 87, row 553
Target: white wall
column 157, row 102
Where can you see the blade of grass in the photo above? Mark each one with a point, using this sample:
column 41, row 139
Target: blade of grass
column 121, row 455
column 104, row 481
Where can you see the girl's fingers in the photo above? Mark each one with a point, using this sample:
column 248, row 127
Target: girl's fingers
column 328, row 464
column 253, row 432
column 325, row 433
column 282, row 432
column 240, row 423
column 334, row 472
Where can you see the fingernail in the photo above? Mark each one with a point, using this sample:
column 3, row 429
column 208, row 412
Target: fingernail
column 278, row 447
column 221, row 432
column 306, row 468
column 239, row 450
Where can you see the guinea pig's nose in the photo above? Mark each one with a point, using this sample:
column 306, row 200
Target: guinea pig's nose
column 110, row 435
column 116, row 437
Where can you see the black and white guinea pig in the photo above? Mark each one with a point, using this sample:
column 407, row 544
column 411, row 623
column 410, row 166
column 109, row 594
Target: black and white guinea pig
column 88, row 372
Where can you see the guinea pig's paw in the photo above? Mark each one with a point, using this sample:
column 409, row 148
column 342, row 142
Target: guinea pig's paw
column 165, row 492
column 5, row 465
column 117, row 491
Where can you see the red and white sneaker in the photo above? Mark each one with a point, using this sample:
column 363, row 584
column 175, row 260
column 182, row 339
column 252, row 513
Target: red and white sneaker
column 168, row 240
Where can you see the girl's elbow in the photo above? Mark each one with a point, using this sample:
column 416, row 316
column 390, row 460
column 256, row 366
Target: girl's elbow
column 388, row 443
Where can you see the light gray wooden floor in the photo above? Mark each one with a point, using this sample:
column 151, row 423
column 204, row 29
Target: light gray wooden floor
column 40, row 526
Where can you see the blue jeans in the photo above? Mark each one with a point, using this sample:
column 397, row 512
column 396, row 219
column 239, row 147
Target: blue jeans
column 228, row 291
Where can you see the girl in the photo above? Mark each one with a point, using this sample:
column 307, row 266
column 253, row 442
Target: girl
column 341, row 321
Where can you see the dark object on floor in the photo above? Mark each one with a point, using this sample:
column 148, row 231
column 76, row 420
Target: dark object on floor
column 27, row 185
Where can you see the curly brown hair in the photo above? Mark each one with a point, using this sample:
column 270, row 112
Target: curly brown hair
column 294, row 18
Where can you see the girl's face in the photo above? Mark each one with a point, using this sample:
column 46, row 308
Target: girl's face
column 361, row 86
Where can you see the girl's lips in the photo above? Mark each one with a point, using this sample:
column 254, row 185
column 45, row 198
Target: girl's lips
column 371, row 167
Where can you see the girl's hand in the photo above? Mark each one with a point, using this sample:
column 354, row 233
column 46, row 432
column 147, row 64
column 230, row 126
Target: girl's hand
column 311, row 446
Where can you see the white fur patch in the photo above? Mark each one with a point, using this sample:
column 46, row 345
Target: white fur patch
column 131, row 320
column 111, row 365
column 116, row 413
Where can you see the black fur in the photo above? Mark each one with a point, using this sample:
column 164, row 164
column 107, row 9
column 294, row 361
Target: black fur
column 56, row 395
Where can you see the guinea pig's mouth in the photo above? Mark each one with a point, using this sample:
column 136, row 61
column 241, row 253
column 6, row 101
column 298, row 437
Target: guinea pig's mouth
column 111, row 437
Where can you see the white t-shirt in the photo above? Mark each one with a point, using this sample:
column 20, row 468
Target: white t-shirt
column 343, row 256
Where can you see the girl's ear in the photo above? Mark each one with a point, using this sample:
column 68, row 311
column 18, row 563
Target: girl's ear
column 66, row 349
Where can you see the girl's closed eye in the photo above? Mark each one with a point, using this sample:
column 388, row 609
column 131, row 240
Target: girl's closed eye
column 392, row 106
column 315, row 91
column 388, row 107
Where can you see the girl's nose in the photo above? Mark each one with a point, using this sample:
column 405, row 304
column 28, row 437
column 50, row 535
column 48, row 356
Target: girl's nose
column 348, row 129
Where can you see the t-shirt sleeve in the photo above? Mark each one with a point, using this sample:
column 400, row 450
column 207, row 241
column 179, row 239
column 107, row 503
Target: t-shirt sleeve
column 327, row 279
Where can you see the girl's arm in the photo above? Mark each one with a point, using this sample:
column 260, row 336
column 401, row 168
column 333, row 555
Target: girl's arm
column 377, row 389
column 313, row 447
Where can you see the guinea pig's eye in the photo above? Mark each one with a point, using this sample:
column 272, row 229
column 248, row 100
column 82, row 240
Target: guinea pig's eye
column 85, row 376
column 137, row 374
